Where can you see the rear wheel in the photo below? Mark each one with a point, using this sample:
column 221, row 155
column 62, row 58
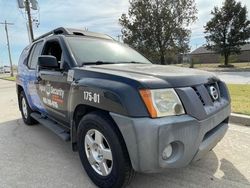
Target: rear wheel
column 103, row 152
column 26, row 110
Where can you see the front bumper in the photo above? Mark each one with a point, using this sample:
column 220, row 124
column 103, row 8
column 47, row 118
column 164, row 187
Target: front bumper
column 146, row 138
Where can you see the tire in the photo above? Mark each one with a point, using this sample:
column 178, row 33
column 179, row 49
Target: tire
column 26, row 110
column 118, row 169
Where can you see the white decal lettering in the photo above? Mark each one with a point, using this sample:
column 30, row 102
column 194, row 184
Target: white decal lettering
column 91, row 97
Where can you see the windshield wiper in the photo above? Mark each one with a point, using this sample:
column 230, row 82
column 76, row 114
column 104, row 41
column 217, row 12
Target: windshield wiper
column 109, row 62
column 137, row 62
column 134, row 62
column 97, row 63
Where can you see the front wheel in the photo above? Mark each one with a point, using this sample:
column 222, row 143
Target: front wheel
column 103, row 152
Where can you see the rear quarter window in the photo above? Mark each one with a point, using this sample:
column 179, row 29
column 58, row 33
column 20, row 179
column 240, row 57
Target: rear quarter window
column 35, row 52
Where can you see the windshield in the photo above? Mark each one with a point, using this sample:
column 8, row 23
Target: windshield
column 98, row 51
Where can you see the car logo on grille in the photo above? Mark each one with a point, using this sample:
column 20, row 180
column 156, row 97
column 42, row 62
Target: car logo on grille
column 213, row 92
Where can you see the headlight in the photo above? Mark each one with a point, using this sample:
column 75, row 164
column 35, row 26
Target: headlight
column 162, row 102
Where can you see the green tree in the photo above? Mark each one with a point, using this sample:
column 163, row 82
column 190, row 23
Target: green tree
column 158, row 27
column 228, row 29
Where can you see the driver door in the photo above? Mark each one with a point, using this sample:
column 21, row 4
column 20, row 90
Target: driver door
column 53, row 87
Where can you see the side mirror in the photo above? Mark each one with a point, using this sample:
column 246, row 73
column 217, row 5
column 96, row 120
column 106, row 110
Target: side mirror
column 47, row 61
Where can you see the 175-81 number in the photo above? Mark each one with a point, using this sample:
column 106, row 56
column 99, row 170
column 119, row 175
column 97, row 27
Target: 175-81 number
column 91, row 97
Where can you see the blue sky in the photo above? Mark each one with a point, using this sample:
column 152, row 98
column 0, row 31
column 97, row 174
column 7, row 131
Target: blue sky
column 96, row 15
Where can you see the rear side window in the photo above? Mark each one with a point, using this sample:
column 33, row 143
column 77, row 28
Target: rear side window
column 35, row 52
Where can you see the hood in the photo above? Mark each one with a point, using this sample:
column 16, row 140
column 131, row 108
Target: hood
column 156, row 76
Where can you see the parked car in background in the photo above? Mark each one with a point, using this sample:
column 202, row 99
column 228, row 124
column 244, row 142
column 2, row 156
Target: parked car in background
column 5, row 69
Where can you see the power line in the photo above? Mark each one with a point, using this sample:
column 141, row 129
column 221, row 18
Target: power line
column 8, row 44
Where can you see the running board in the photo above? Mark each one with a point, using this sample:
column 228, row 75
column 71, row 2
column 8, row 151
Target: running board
column 54, row 127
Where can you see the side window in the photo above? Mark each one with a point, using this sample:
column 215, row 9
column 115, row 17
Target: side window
column 35, row 52
column 53, row 48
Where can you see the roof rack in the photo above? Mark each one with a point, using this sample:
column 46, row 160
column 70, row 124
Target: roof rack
column 69, row 31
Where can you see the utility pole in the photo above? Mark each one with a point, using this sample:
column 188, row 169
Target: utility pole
column 27, row 5
column 27, row 8
column 8, row 44
column 119, row 37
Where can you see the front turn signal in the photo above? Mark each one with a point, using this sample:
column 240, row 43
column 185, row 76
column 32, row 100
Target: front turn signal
column 147, row 99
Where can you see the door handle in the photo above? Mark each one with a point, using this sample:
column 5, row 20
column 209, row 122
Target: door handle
column 38, row 79
column 64, row 74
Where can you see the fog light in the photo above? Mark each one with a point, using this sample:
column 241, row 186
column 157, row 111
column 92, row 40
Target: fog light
column 167, row 152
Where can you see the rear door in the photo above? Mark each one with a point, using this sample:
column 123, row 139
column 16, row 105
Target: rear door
column 31, row 76
column 53, row 87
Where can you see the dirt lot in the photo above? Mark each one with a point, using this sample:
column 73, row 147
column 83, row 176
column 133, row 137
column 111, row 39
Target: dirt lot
column 35, row 157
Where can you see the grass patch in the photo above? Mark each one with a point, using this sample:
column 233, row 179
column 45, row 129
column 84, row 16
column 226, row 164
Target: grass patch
column 240, row 95
column 13, row 78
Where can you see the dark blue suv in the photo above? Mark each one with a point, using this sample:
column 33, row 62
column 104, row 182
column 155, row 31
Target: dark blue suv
column 119, row 111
